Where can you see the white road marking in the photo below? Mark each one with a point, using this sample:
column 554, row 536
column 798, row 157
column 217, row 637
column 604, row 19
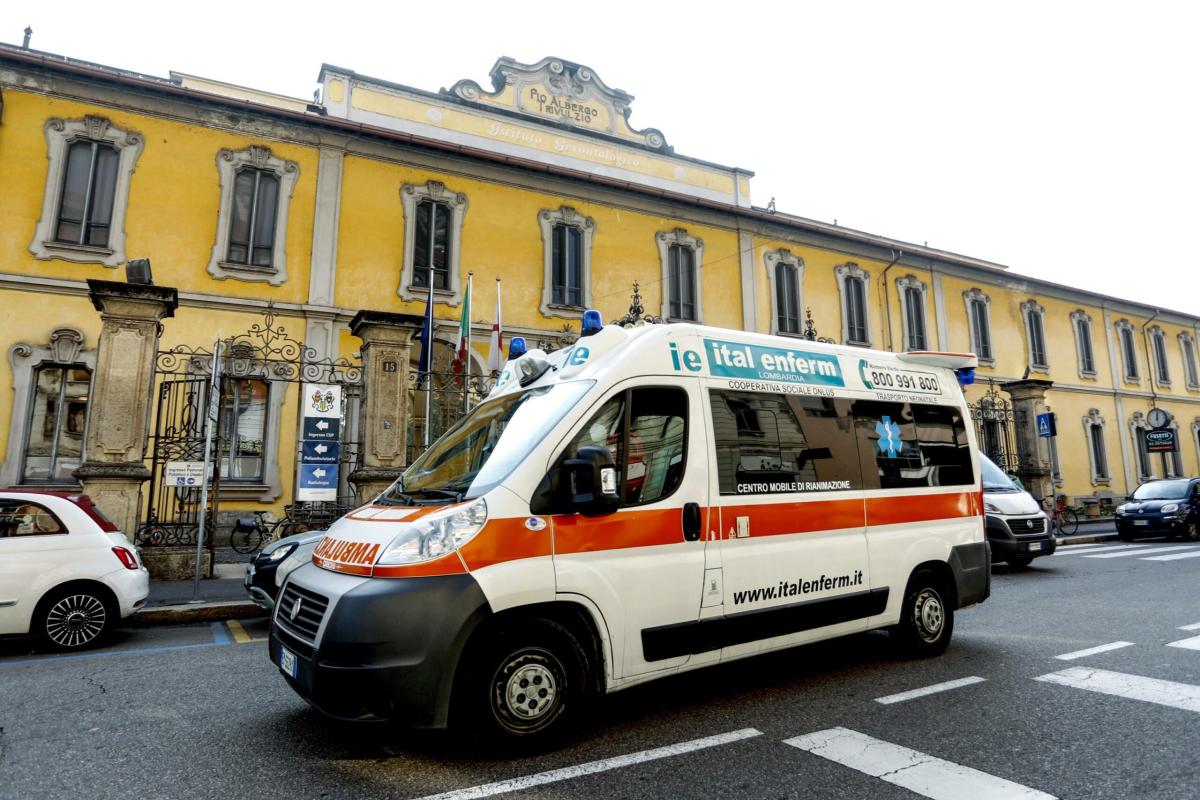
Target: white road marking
column 1085, row 544
column 1091, row 651
column 1072, row 551
column 1132, row 687
column 920, row 773
column 592, row 767
column 1195, row 626
column 1174, row 556
column 1186, row 644
column 934, row 689
column 1143, row 552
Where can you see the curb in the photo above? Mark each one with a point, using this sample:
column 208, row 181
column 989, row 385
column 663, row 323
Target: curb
column 1087, row 538
column 196, row 612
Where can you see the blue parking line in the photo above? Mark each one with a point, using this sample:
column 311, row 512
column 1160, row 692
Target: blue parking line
column 109, row 653
column 220, row 633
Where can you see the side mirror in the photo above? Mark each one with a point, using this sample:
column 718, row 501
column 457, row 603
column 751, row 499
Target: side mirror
column 590, row 481
column 587, row 484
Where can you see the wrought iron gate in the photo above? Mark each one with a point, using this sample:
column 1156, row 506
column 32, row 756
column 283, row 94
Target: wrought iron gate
column 257, row 366
column 995, row 428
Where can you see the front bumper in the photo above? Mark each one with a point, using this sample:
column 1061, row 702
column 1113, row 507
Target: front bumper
column 260, row 583
column 1150, row 523
column 1007, row 544
column 385, row 649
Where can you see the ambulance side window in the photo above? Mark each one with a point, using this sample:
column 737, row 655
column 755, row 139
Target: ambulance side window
column 911, row 445
column 770, row 443
column 646, row 432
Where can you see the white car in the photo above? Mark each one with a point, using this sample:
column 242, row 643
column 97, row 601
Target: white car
column 67, row 575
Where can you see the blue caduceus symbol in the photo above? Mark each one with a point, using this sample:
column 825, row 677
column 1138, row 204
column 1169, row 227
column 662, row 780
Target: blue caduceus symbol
column 889, row 437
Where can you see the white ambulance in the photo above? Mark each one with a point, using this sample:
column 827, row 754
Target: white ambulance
column 648, row 501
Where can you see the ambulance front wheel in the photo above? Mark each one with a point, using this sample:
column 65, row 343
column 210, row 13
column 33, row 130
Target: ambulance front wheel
column 532, row 682
column 927, row 617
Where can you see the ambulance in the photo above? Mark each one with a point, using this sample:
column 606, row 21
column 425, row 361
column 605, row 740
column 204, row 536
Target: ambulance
column 647, row 501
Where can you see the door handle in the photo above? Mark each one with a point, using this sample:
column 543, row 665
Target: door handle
column 691, row 521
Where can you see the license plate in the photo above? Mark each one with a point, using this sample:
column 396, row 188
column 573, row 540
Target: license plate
column 287, row 662
column 1141, row 522
column 1035, row 546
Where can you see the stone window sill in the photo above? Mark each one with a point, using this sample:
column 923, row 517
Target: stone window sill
column 424, row 291
column 1091, row 376
column 229, row 266
column 243, row 490
column 71, row 247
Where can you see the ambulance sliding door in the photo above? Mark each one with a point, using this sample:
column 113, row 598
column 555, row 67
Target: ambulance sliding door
column 792, row 536
column 643, row 566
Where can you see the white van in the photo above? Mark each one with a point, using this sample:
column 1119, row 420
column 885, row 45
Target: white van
column 1018, row 530
column 645, row 502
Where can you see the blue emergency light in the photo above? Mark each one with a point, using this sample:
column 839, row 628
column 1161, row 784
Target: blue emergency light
column 592, row 323
column 966, row 375
column 516, row 347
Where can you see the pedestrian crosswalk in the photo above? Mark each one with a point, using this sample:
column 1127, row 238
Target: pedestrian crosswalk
column 1143, row 551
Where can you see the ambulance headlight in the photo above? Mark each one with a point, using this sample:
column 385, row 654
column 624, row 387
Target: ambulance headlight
column 436, row 535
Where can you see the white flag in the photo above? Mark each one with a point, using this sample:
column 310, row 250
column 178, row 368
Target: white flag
column 496, row 357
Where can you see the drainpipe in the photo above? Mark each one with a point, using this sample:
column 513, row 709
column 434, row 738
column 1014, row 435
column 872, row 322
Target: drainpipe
column 887, row 307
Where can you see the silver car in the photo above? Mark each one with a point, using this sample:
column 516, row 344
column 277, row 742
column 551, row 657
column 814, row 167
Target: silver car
column 267, row 572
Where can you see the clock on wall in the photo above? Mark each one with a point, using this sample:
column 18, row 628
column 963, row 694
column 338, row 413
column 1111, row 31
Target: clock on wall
column 1158, row 418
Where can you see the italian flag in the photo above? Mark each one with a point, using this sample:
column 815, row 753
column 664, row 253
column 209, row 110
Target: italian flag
column 464, row 332
column 496, row 344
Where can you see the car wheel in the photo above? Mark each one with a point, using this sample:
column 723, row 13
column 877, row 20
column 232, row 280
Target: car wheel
column 926, row 618
column 74, row 619
column 1020, row 561
column 1125, row 536
column 531, row 684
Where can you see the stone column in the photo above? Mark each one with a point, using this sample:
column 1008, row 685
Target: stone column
column 387, row 345
column 1033, row 454
column 118, row 411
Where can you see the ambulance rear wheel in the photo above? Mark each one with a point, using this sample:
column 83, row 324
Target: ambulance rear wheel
column 926, row 618
column 533, row 680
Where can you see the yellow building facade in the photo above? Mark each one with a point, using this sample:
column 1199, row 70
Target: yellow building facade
column 246, row 201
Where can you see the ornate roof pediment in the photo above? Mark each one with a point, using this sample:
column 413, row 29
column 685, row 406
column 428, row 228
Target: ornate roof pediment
column 563, row 92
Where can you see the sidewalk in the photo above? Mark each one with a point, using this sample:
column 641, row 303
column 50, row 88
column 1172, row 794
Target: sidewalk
column 223, row 597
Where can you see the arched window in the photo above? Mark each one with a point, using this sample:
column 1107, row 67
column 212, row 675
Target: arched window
column 852, row 280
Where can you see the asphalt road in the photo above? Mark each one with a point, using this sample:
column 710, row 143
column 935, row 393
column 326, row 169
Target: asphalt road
column 192, row 712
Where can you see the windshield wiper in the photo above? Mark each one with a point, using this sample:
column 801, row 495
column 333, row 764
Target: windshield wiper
column 397, row 499
column 448, row 494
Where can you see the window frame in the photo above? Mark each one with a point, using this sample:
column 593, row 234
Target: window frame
column 60, row 134
column 1036, row 345
column 845, row 273
column 979, row 318
column 1081, row 324
column 421, row 271
column 1127, row 341
column 907, row 287
column 680, row 237
column 232, row 438
column 230, row 163
column 1191, row 369
column 256, row 208
column 1093, row 427
column 1139, row 427
column 411, row 194
column 22, row 467
column 566, row 217
column 773, row 261
column 1158, row 355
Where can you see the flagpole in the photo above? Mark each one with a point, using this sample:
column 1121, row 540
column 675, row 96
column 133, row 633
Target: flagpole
column 467, row 355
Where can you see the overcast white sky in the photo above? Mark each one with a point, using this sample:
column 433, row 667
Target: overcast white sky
column 1057, row 138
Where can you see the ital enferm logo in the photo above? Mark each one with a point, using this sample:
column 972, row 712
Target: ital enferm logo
column 322, row 400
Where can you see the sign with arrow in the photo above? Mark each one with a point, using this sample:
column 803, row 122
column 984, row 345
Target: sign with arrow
column 320, row 448
column 319, row 452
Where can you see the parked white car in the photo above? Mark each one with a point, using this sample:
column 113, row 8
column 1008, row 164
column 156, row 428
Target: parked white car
column 67, row 575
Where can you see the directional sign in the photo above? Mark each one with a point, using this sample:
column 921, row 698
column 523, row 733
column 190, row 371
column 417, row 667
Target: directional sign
column 1046, row 426
column 319, row 452
column 318, row 482
column 328, row 430
column 1161, row 441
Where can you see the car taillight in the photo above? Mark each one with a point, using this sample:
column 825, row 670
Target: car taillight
column 127, row 557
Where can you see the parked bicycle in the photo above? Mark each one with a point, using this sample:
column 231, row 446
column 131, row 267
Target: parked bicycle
column 1066, row 519
column 250, row 534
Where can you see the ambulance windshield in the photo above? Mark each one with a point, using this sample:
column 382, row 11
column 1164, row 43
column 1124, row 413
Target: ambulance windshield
column 483, row 448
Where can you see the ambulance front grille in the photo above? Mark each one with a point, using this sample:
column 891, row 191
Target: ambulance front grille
column 300, row 612
column 1031, row 525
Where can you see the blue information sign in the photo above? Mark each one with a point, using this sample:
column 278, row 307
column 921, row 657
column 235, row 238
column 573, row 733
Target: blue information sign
column 319, row 452
column 319, row 476
column 1046, row 426
column 328, row 430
